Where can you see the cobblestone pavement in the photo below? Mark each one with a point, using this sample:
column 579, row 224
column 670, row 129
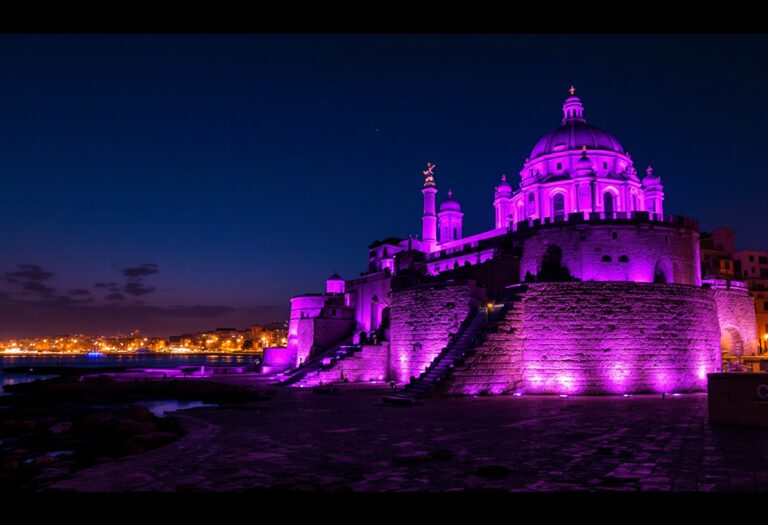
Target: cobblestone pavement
column 305, row 441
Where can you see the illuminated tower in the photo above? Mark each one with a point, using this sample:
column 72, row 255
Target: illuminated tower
column 334, row 284
column 503, row 203
column 429, row 218
column 450, row 219
column 654, row 192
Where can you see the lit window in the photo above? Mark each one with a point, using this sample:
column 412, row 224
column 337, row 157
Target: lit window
column 558, row 205
column 608, row 202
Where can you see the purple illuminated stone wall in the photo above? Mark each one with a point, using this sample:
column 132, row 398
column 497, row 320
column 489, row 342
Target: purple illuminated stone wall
column 277, row 359
column 618, row 252
column 738, row 323
column 369, row 364
column 421, row 321
column 369, row 296
column 316, row 334
column 599, row 338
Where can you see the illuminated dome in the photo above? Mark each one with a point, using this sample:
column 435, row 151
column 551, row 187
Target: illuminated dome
column 574, row 133
column 450, row 204
column 504, row 189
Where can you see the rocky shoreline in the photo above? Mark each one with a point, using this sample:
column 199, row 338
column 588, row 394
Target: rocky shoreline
column 51, row 428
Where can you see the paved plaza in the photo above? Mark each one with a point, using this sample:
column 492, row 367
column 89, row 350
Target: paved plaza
column 305, row 441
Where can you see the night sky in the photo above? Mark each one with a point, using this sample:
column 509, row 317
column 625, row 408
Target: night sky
column 179, row 183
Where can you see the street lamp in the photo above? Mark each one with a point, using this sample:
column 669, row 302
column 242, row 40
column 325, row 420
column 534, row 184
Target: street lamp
column 488, row 308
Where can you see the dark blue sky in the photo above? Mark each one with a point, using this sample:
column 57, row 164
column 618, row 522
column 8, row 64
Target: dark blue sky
column 247, row 168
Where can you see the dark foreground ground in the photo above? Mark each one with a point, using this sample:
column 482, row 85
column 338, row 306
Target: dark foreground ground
column 347, row 442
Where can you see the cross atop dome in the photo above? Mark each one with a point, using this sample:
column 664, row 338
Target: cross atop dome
column 573, row 110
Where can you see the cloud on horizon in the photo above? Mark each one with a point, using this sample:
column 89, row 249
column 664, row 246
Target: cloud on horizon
column 137, row 288
column 28, row 272
column 31, row 308
column 138, row 272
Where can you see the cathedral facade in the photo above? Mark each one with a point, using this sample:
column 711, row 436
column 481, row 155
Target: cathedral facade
column 583, row 285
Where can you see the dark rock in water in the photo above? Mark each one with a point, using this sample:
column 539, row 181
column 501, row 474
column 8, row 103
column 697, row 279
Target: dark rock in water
column 171, row 424
column 44, row 460
column 153, row 439
column 60, row 428
column 493, row 471
column 129, row 427
column 103, row 425
column 130, row 447
column 135, row 412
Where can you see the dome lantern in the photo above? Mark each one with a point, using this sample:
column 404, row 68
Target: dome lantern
column 449, row 204
column 573, row 110
column 503, row 189
column 573, row 133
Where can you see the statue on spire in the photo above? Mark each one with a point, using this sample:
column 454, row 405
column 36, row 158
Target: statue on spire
column 429, row 176
column 572, row 91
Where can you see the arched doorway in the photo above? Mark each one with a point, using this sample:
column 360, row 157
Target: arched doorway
column 385, row 316
column 608, row 204
column 662, row 273
column 375, row 311
column 552, row 268
column 558, row 205
column 731, row 342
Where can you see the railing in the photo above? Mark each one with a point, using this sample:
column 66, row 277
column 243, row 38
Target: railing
column 719, row 282
column 635, row 217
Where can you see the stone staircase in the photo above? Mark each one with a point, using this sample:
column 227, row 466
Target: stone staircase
column 318, row 364
column 330, row 371
column 442, row 365
column 465, row 346
column 494, row 365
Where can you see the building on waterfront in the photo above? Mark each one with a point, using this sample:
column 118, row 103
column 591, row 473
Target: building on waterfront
column 721, row 260
column 583, row 284
column 752, row 266
column 717, row 254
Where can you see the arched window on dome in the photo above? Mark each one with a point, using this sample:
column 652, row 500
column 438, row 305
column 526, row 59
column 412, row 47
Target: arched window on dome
column 558, row 205
column 606, row 258
column 608, row 203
